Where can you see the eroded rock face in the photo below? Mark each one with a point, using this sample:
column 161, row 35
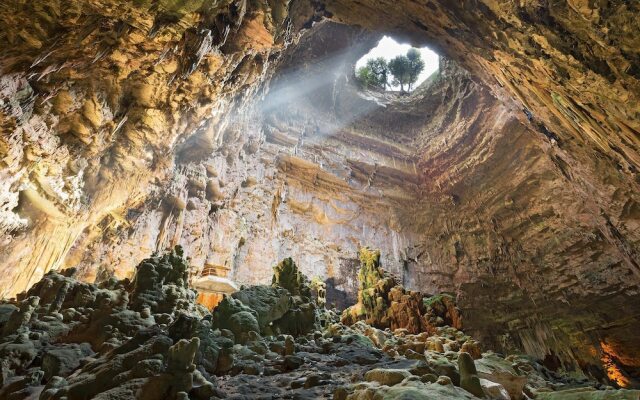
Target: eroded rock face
column 385, row 304
column 130, row 128
column 94, row 97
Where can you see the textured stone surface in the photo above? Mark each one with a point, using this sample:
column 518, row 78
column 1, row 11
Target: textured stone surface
column 129, row 127
column 385, row 304
column 469, row 380
column 182, row 355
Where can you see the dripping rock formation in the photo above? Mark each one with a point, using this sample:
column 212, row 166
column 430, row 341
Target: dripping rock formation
column 507, row 184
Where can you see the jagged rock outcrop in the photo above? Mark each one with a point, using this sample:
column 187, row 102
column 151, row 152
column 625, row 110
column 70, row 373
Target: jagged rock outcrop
column 285, row 307
column 47, row 353
column 385, row 304
column 287, row 276
column 117, row 335
column 510, row 180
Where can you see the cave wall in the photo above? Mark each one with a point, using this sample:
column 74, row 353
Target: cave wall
column 95, row 97
column 279, row 184
column 556, row 260
column 119, row 122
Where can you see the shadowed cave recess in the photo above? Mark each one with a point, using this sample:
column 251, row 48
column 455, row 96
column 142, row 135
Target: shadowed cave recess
column 200, row 200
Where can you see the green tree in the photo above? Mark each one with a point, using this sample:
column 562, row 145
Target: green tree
column 365, row 76
column 416, row 66
column 399, row 67
column 380, row 69
column 374, row 73
column 406, row 69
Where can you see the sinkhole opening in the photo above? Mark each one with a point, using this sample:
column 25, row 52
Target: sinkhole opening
column 396, row 67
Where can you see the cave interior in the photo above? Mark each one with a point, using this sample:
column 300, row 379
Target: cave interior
column 200, row 200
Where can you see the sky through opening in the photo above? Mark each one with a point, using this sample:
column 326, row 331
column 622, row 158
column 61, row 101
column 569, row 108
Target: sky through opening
column 389, row 48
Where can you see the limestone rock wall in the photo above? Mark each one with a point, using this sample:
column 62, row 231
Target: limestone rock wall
column 278, row 186
column 95, row 95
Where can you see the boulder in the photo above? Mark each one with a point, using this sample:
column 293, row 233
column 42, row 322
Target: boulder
column 64, row 359
column 293, row 362
column 442, row 366
column 494, row 391
column 5, row 312
column 469, row 380
column 241, row 324
column 410, row 389
column 233, row 315
column 498, row 370
column 270, row 303
column 387, row 377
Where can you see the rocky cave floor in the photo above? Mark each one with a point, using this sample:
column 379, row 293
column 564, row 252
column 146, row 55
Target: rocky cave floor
column 149, row 339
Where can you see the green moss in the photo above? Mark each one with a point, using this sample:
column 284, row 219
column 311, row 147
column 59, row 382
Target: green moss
column 369, row 273
column 283, row 308
column 438, row 298
column 557, row 99
column 287, row 275
column 374, row 286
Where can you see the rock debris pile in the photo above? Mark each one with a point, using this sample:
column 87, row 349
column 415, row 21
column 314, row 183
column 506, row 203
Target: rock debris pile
column 148, row 339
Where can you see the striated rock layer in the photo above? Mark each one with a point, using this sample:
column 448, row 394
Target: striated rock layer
column 234, row 129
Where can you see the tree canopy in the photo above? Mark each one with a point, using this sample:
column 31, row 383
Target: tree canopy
column 416, row 66
column 375, row 73
column 399, row 67
column 405, row 70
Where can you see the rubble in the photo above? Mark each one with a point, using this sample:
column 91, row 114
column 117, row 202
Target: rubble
column 148, row 339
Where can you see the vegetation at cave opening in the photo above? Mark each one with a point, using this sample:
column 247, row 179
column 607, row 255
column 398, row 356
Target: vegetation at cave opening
column 402, row 70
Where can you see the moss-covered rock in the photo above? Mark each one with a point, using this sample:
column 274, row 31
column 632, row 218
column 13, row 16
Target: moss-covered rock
column 287, row 275
column 269, row 302
column 283, row 308
column 233, row 315
column 381, row 301
column 161, row 284
column 441, row 310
